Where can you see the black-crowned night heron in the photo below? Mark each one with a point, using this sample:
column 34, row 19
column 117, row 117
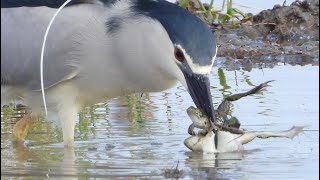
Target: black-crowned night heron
column 99, row 49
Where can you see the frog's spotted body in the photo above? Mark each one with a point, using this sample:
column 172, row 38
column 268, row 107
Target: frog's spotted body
column 200, row 120
column 223, row 109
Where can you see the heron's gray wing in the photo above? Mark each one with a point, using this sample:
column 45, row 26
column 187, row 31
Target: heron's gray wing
column 49, row 3
column 22, row 31
column 25, row 72
column 36, row 3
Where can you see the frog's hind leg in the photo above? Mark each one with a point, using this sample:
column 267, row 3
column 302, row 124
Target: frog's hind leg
column 255, row 90
column 190, row 130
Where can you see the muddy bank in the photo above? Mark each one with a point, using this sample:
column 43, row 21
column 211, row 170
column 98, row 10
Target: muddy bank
column 284, row 34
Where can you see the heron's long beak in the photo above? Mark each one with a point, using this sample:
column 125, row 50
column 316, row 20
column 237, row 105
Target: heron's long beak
column 199, row 89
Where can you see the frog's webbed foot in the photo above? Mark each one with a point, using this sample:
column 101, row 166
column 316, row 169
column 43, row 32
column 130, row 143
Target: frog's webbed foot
column 190, row 130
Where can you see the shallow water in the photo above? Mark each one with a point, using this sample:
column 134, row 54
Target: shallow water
column 133, row 138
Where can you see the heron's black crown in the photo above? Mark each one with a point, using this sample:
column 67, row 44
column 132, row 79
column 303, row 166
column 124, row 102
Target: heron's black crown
column 182, row 27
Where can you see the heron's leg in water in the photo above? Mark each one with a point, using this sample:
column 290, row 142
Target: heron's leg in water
column 21, row 128
column 67, row 120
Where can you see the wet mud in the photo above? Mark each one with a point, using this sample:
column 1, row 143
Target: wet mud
column 283, row 34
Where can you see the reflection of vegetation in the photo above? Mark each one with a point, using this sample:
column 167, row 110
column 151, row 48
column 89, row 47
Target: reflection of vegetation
column 23, row 154
column 169, row 110
column 222, row 79
column 45, row 131
column 83, row 123
column 83, row 126
column 223, row 82
column 135, row 108
column 236, row 77
column 10, row 111
column 87, row 118
column 7, row 112
column 247, row 80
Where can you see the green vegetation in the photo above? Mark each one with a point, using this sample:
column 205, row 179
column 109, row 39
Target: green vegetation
column 220, row 15
column 135, row 109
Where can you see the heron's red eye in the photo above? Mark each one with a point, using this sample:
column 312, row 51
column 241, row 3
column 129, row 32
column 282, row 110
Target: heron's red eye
column 179, row 54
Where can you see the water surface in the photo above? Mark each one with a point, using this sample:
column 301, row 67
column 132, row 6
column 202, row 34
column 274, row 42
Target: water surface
column 133, row 137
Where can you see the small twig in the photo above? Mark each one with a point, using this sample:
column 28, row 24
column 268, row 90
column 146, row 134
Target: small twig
column 177, row 166
column 309, row 26
column 174, row 173
column 265, row 24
